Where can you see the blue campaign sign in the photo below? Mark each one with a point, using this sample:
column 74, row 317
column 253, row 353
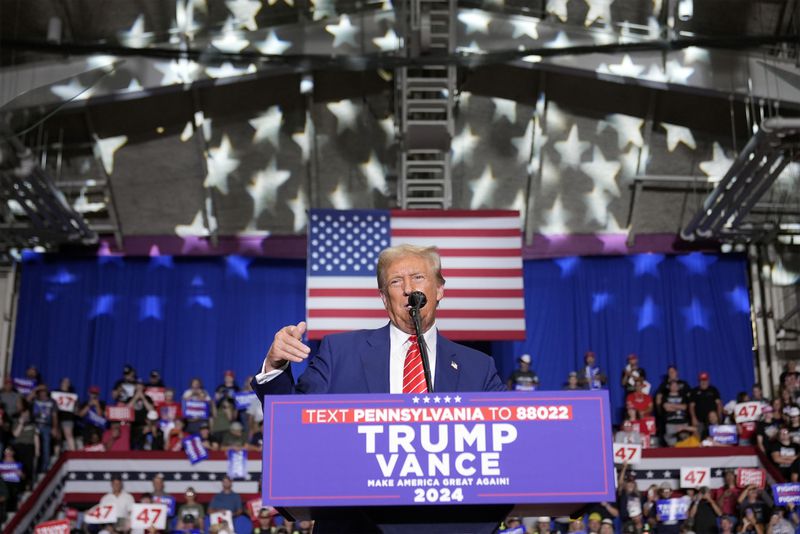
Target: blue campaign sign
column 784, row 494
column 724, row 434
column 448, row 448
column 195, row 409
column 672, row 509
column 168, row 500
column 243, row 399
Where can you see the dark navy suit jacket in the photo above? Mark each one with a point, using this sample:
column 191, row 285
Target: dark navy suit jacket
column 358, row 362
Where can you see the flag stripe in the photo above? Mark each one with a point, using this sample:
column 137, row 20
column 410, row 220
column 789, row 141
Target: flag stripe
column 456, row 282
column 460, row 242
column 441, row 314
column 455, row 335
column 450, row 293
column 445, row 325
column 481, row 260
column 456, row 232
column 375, row 303
column 449, row 214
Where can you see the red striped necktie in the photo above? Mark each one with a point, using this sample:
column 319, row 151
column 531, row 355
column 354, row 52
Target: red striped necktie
column 413, row 373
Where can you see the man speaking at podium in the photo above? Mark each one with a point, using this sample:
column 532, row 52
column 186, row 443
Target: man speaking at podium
column 386, row 360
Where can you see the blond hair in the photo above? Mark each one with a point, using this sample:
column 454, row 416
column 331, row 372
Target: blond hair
column 392, row 254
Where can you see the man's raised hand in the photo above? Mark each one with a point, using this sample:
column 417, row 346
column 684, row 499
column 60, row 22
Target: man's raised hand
column 287, row 347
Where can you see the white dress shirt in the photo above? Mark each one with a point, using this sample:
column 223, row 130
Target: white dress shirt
column 398, row 347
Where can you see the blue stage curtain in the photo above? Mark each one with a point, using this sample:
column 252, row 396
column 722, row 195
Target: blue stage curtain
column 85, row 318
column 187, row 317
column 691, row 310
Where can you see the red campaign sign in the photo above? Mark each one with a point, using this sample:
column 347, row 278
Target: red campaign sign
column 746, row 476
column 438, row 414
column 60, row 526
column 156, row 394
column 119, row 413
column 253, row 507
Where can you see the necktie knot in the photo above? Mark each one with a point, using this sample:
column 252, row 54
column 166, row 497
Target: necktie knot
column 412, row 339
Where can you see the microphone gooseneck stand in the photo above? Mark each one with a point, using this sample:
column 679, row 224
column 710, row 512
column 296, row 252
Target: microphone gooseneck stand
column 423, row 349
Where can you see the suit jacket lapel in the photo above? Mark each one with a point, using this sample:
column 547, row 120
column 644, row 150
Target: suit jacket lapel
column 447, row 366
column 375, row 360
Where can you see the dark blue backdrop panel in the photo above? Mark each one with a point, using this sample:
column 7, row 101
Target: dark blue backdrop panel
column 86, row 318
column 690, row 310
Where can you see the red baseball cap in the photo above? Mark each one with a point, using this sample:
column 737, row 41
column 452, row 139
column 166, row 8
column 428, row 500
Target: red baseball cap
column 94, row 389
column 228, row 373
column 632, row 356
column 702, row 376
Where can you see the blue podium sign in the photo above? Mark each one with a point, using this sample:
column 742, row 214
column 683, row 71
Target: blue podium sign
column 439, row 448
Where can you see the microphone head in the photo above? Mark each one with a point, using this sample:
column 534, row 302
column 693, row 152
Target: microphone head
column 417, row 300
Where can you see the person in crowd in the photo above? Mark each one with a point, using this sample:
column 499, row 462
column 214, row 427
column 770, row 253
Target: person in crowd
column 639, row 400
column 234, row 438
column 208, row 440
column 766, row 429
column 572, row 383
column 607, row 526
column 675, row 411
column 593, row 523
column 788, row 400
column 227, row 499
column 66, row 414
column 122, row 500
column 141, row 404
column 727, row 497
column 154, row 380
column 9, row 398
column 704, row 511
column 125, row 387
column 177, row 433
column 190, row 513
column 783, row 520
column 591, row 377
column 45, row 415
column 338, row 368
column 753, row 507
column 196, row 392
column 160, row 495
column 14, row 480
column 543, row 525
column 265, row 521
column 117, row 437
column 523, row 378
column 228, row 389
column 221, row 423
column 704, row 398
column 631, row 372
column 777, row 410
column 784, row 452
column 168, row 410
column 627, row 494
column 256, row 442
column 92, row 415
column 661, row 392
column 790, row 377
column 27, row 443
column 151, row 438
column 757, row 394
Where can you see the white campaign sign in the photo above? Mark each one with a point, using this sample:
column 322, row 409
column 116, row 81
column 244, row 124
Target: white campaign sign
column 223, row 515
column 630, row 452
column 146, row 516
column 100, row 514
column 695, row 477
column 65, row 401
column 747, row 411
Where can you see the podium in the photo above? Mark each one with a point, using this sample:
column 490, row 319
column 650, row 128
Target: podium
column 438, row 462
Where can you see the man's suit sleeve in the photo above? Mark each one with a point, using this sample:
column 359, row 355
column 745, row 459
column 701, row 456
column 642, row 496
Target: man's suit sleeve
column 493, row 381
column 315, row 379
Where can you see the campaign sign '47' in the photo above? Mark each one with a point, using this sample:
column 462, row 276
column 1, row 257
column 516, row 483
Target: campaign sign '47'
column 438, row 448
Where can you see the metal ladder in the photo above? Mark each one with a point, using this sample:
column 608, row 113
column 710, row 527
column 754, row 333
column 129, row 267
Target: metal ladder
column 425, row 101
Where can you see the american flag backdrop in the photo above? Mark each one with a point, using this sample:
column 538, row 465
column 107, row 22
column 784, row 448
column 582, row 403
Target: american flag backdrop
column 481, row 262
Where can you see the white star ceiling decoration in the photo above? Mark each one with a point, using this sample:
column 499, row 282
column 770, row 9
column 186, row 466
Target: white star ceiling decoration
column 263, row 188
column 463, row 146
column 73, row 90
column 475, row 21
column 504, row 108
column 555, row 219
column 177, row 71
column 602, row 172
column 374, row 173
column 267, row 126
column 572, row 148
column 596, row 202
column 482, row 189
column 272, row 45
column 558, row 8
column 340, row 197
column 524, row 143
column 299, row 207
column 244, row 12
column 231, row 40
column 346, row 114
column 195, row 229
column 525, row 26
column 718, row 166
column 106, row 148
column 136, row 37
column 303, row 139
column 598, row 10
column 626, row 68
column 629, row 129
column 678, row 134
column 389, row 42
column 220, row 164
column 343, row 32
column 227, row 70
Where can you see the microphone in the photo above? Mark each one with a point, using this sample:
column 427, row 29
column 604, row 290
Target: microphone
column 417, row 300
